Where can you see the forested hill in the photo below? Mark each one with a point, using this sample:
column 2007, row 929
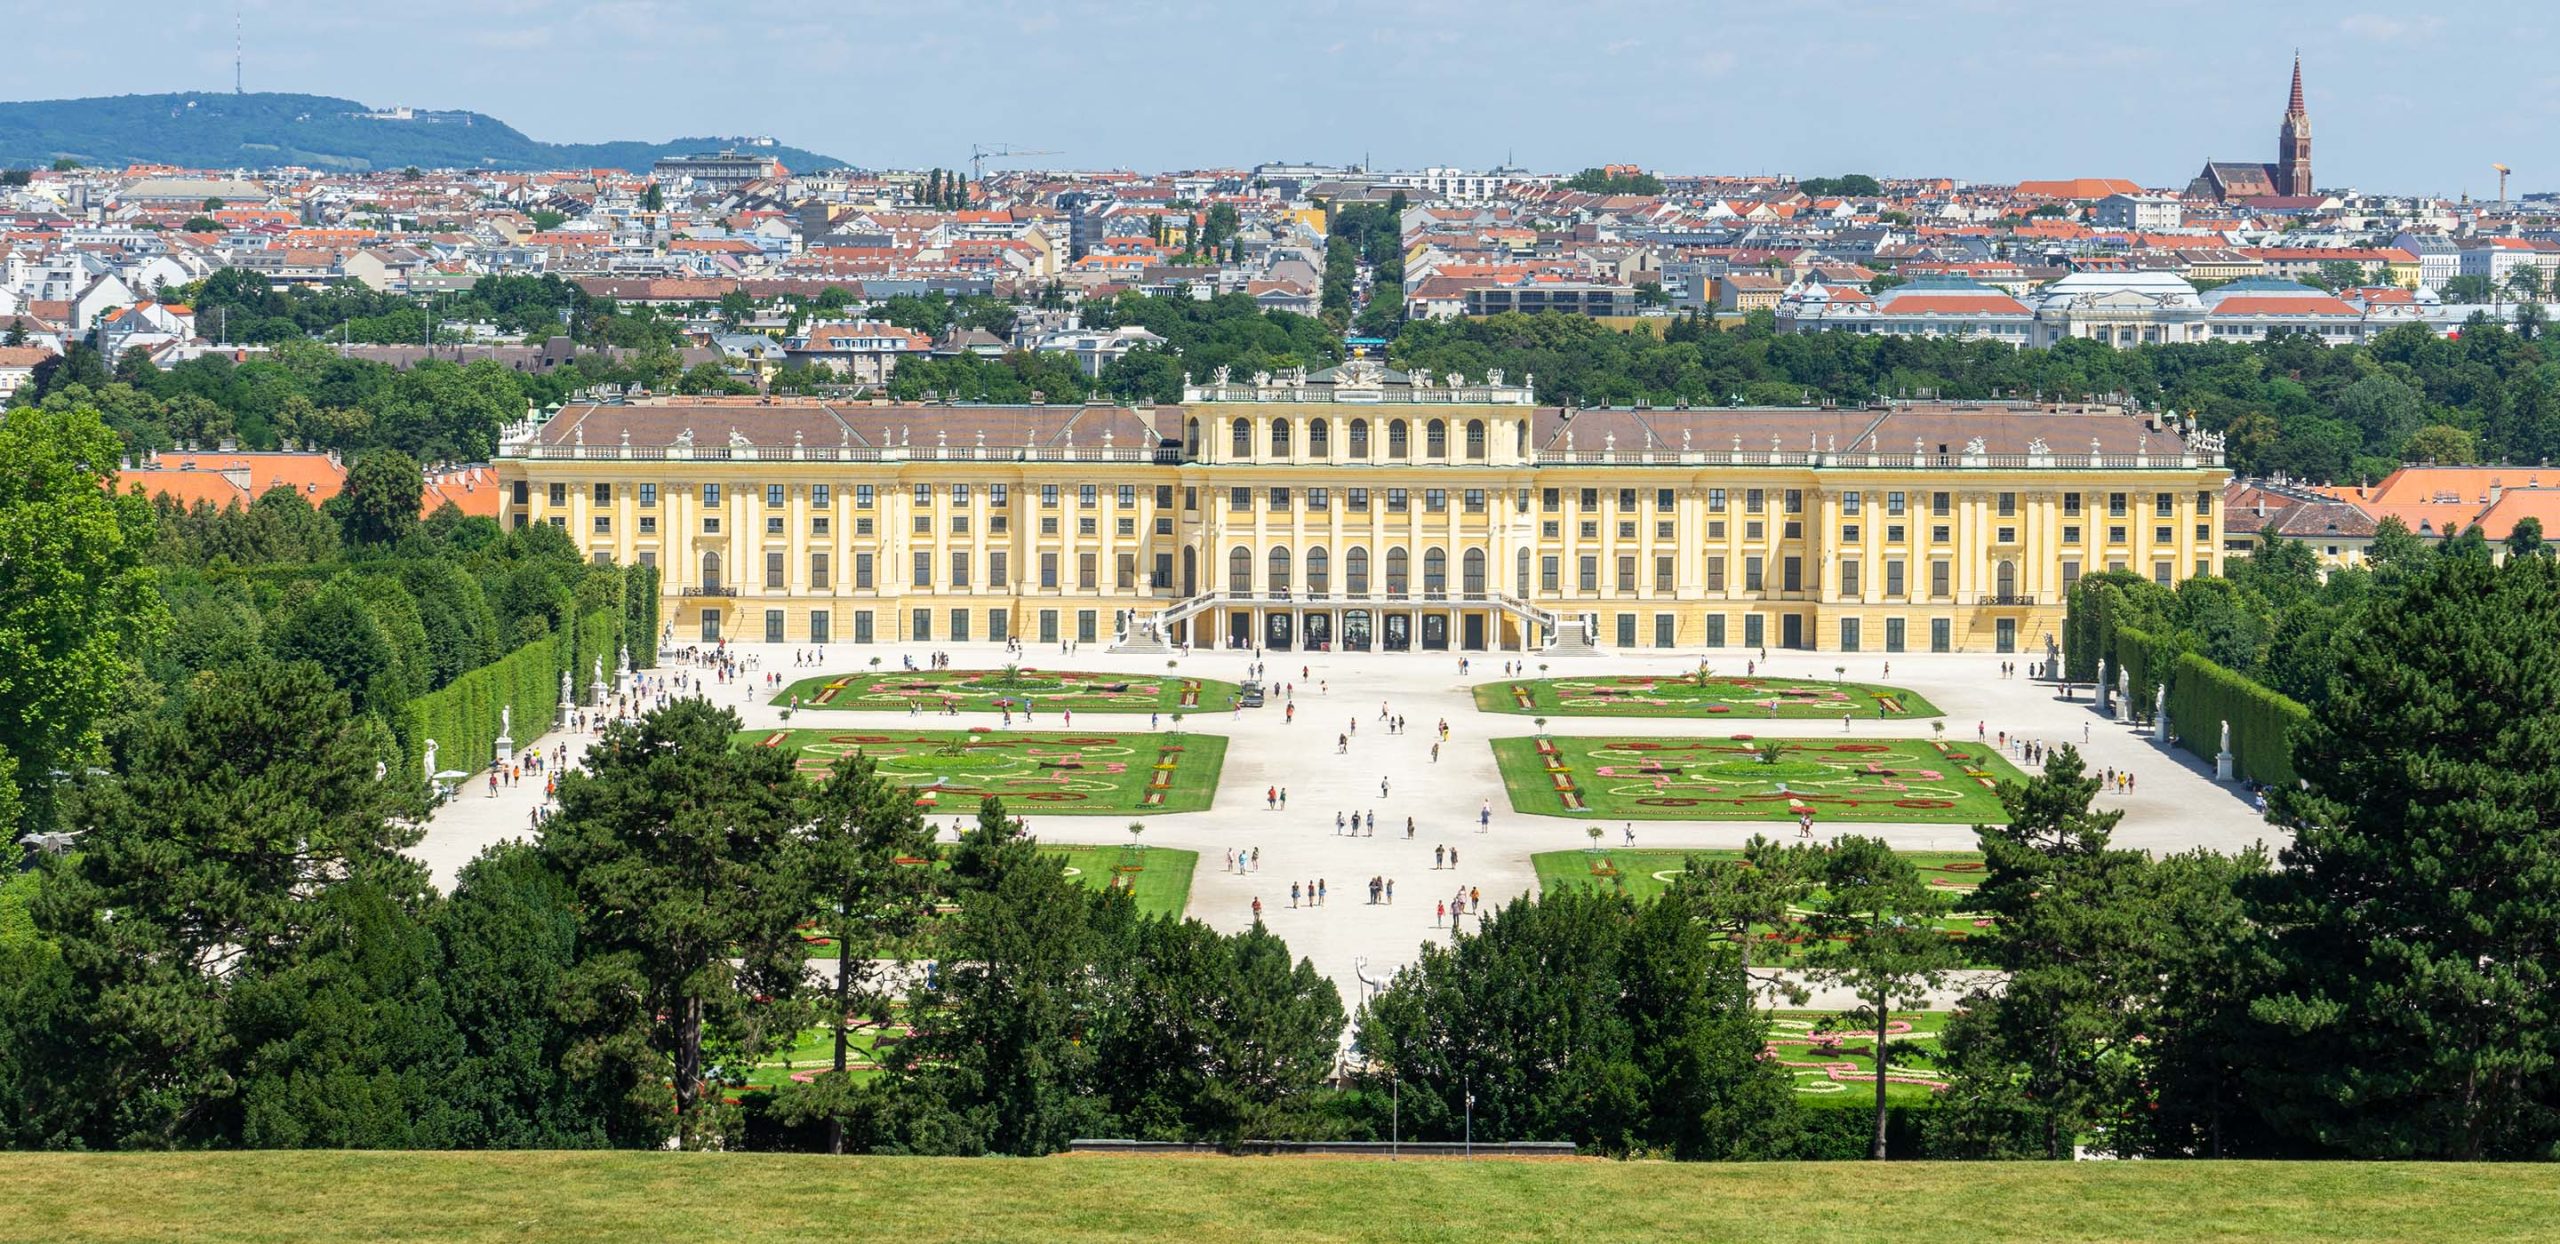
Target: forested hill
column 215, row 130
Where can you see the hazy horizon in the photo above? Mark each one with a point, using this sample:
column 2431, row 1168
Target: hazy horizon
column 1979, row 90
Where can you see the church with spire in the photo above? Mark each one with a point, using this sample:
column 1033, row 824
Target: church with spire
column 2288, row 178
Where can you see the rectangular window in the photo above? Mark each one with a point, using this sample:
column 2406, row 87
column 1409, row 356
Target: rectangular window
column 1190, row 498
column 1753, row 501
column 818, row 570
column 1715, row 501
column 648, row 494
column 1164, row 496
column 773, row 525
column 1084, row 526
column 1795, row 501
column 999, row 495
column 2008, row 505
column 1941, row 635
column 1127, row 496
column 1848, row 533
column 1627, row 573
column 603, row 494
column 959, row 496
column 1662, row 573
column 1240, row 500
column 1849, row 578
column 2163, row 505
column 923, row 569
column 1085, row 622
column 523, row 489
column 2163, row 535
column 2071, row 535
column 1048, row 496
column 773, row 569
column 559, row 494
column 1715, row 574
column 1665, row 629
column 1662, row 498
column 1793, row 571
column 1626, row 630
column 924, row 495
column 920, row 624
column 1279, row 500
column 1893, row 504
column 1939, row 505
column 603, row 524
column 1849, row 502
column 648, row 524
column 1087, row 495
column 1893, row 579
column 773, row 494
column 1088, row 571
column 2115, row 505
column 959, row 524
column 1048, row 570
column 1590, row 498
column 1396, row 501
column 1551, row 500
column 1474, row 500
column 959, row 568
column 862, row 572
column 1755, row 631
column 1548, row 570
column 2204, row 504
column 1848, row 634
column 998, row 626
column 1435, row 500
column 2115, row 535
column 1356, row 500
column 1940, row 534
column 1319, row 499
column 1125, row 575
column 820, row 497
column 773, row 626
column 711, row 525
column 1587, row 573
column 1715, row 630
column 864, row 631
column 1894, row 629
column 2071, row 505
column 820, row 631
column 2070, row 574
column 959, row 626
column 1048, row 626
column 923, row 524
column 1753, row 574
column 862, row 496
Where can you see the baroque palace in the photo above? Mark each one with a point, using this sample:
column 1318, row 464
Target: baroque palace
column 1362, row 508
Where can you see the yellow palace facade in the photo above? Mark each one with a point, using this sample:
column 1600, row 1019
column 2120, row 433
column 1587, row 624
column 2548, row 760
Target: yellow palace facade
column 1361, row 508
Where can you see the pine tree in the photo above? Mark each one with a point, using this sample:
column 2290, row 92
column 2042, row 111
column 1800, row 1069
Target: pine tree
column 2417, row 928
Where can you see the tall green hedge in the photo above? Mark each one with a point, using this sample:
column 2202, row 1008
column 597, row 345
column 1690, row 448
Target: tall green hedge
column 2203, row 695
column 640, row 614
column 462, row 717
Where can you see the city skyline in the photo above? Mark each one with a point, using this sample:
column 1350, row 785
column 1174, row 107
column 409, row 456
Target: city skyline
column 1817, row 90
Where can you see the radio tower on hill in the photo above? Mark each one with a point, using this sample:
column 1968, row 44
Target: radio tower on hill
column 235, row 49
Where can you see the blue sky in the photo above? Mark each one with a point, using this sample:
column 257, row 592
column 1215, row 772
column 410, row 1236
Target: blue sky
column 2403, row 96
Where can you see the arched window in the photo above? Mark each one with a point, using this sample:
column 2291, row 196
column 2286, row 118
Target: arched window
column 1399, row 580
column 1475, row 439
column 1279, row 571
column 1435, row 571
column 1359, row 438
column 1319, row 438
column 1240, row 571
column 1520, row 576
column 1279, row 438
column 1435, row 439
column 1243, row 438
column 1191, row 439
column 1355, row 571
column 2007, row 578
column 1398, row 444
column 1471, row 579
column 1319, row 570
column 711, row 571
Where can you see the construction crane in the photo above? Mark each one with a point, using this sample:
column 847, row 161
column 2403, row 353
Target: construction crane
column 979, row 153
column 2503, row 170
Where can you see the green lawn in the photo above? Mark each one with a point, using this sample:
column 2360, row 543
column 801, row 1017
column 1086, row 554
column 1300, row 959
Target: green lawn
column 1833, row 1058
column 1098, row 773
column 1049, row 691
column 1642, row 874
column 751, row 1198
column 1723, row 779
column 814, row 1051
column 1676, row 695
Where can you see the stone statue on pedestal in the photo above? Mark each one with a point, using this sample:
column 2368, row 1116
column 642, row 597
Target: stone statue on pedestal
column 2222, row 762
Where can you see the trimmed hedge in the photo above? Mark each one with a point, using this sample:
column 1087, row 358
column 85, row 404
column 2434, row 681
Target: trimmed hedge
column 640, row 614
column 2203, row 695
column 462, row 717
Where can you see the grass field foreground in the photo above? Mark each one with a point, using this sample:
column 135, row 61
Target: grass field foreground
column 1844, row 778
column 1688, row 695
column 1036, row 773
column 608, row 1198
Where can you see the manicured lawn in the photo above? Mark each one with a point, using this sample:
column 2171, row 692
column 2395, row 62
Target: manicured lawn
column 1158, row 878
column 1101, row 773
column 814, row 1051
column 1833, row 1058
column 1676, row 695
column 1642, row 874
column 1724, row 779
column 755, row 1198
column 1048, row 691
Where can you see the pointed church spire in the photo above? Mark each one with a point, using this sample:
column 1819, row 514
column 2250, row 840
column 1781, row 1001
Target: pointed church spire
column 2294, row 106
